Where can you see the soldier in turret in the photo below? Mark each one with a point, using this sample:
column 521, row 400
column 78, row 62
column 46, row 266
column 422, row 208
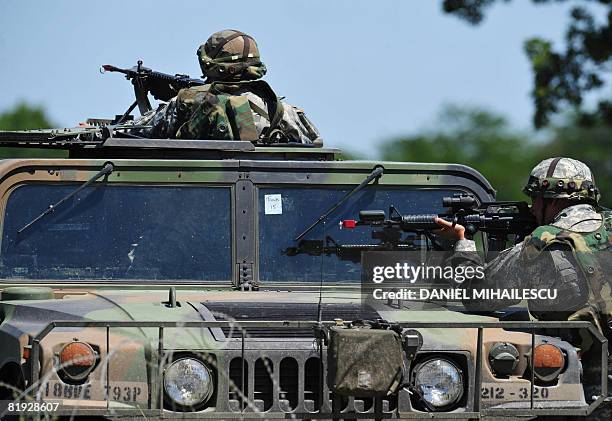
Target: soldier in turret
column 234, row 104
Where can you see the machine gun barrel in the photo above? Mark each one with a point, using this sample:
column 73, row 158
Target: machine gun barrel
column 162, row 86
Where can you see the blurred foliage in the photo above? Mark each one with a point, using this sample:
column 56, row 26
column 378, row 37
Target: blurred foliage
column 462, row 135
column 484, row 141
column 25, row 117
column 473, row 137
column 561, row 77
column 349, row 156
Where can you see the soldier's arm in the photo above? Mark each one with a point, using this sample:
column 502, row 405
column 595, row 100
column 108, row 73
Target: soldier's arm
column 164, row 121
column 503, row 272
column 297, row 126
column 158, row 124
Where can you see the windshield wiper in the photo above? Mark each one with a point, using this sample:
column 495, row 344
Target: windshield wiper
column 376, row 173
column 105, row 171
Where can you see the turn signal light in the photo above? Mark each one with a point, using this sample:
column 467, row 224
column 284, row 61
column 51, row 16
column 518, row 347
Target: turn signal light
column 77, row 359
column 548, row 362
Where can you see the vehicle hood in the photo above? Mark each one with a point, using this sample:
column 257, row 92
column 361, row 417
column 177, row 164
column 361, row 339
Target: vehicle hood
column 31, row 317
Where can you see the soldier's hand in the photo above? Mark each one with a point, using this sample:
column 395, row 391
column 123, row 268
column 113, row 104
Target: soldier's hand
column 447, row 230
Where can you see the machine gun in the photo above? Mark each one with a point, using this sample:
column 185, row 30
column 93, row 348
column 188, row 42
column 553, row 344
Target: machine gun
column 161, row 85
column 497, row 219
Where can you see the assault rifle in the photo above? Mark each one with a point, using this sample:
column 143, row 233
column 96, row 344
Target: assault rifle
column 497, row 219
column 161, row 85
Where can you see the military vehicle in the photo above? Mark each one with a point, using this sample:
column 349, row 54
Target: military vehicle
column 156, row 278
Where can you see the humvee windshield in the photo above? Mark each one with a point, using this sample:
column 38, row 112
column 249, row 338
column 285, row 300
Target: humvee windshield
column 118, row 232
column 184, row 233
column 285, row 212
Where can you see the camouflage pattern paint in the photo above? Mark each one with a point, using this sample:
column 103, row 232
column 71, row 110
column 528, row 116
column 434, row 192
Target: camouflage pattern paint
column 132, row 353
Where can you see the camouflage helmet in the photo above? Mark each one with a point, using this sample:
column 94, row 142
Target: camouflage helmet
column 230, row 55
column 562, row 178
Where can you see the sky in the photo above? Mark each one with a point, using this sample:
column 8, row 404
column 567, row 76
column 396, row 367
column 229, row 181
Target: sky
column 364, row 71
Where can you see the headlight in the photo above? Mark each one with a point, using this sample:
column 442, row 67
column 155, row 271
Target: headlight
column 188, row 382
column 439, row 381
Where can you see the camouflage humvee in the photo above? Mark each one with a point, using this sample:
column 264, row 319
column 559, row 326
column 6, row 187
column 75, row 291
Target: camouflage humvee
column 162, row 281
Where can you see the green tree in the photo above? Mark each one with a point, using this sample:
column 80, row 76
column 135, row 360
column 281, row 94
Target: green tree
column 474, row 137
column 347, row 155
column 484, row 141
column 561, row 77
column 23, row 116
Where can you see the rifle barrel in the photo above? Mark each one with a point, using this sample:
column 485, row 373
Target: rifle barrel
column 111, row 68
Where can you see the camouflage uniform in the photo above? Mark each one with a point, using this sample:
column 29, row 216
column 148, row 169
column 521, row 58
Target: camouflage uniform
column 571, row 254
column 234, row 104
column 556, row 256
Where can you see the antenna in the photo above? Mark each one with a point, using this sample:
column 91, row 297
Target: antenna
column 320, row 306
column 319, row 329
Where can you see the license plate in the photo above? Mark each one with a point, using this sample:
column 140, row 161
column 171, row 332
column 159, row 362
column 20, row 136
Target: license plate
column 128, row 392
column 509, row 392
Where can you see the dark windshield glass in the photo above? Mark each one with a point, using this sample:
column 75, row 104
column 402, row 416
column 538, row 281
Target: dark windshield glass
column 285, row 212
column 119, row 232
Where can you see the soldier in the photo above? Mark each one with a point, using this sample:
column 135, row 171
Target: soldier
column 569, row 244
column 234, row 104
column 570, row 251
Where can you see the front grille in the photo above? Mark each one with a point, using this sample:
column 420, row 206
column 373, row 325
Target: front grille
column 263, row 393
column 227, row 405
column 282, row 383
column 312, row 381
column 238, row 381
column 263, row 384
column 289, row 383
column 239, row 311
